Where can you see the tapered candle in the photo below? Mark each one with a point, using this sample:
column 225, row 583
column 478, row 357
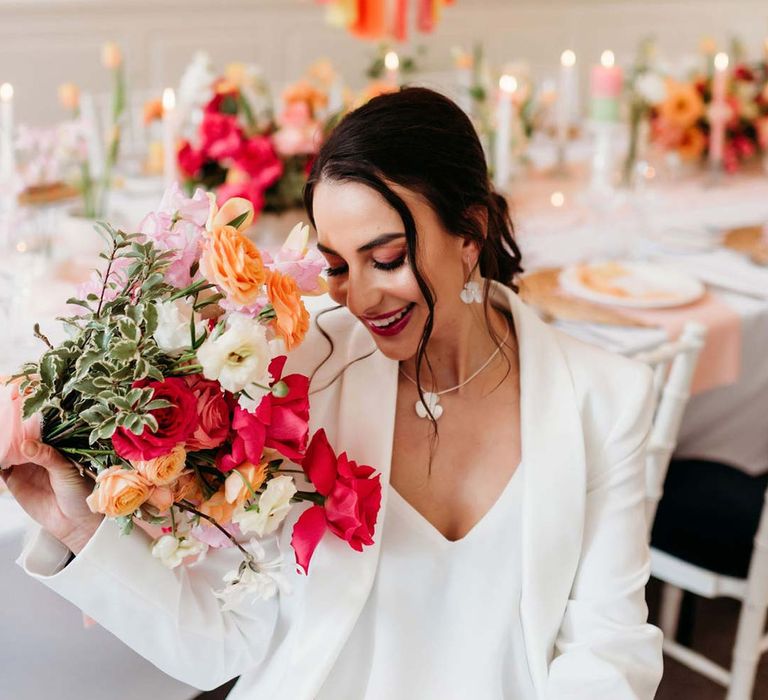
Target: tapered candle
column 718, row 113
column 504, row 110
column 606, row 84
column 392, row 67
column 7, row 155
column 169, row 136
column 566, row 95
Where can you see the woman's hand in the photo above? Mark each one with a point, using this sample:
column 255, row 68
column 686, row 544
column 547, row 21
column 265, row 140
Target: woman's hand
column 51, row 489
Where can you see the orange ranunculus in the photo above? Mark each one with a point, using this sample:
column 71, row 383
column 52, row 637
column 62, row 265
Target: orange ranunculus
column 682, row 106
column 304, row 91
column 118, row 492
column 233, row 264
column 692, row 144
column 186, row 487
column 235, row 489
column 165, row 469
column 218, row 507
column 292, row 322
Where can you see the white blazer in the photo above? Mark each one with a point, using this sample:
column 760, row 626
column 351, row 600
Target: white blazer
column 585, row 417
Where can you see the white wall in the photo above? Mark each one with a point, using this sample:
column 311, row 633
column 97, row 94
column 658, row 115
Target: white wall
column 46, row 42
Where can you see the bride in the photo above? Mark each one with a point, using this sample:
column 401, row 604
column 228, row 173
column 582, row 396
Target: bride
column 510, row 557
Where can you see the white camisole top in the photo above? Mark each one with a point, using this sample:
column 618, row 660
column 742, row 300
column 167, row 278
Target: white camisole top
column 442, row 620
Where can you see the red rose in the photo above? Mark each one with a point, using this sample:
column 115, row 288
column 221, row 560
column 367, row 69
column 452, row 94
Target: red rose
column 175, row 424
column 258, row 158
column 352, row 501
column 190, row 160
column 213, row 414
column 221, row 136
column 279, row 423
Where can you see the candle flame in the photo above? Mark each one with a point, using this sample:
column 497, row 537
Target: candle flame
column 557, row 199
column 391, row 61
column 169, row 99
column 508, row 83
column 6, row 92
column 568, row 58
column 721, row 61
column 607, row 59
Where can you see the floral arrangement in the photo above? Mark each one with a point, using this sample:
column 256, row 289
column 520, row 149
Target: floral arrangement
column 681, row 124
column 171, row 393
column 239, row 151
column 95, row 186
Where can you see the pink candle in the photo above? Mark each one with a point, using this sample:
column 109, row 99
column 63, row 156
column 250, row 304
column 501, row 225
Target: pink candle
column 718, row 112
column 606, row 82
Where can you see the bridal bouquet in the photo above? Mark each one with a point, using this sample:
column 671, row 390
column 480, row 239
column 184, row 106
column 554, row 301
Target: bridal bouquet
column 170, row 392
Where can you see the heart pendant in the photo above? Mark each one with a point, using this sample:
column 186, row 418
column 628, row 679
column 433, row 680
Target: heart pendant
column 433, row 401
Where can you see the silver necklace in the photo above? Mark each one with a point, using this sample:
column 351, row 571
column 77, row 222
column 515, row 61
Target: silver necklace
column 432, row 398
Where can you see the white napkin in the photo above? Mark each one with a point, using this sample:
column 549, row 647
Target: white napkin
column 621, row 339
column 726, row 269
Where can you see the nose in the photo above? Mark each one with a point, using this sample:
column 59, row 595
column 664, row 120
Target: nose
column 361, row 295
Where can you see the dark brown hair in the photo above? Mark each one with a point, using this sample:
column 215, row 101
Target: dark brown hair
column 421, row 140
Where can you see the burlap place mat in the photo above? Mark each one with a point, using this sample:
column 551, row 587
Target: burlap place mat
column 541, row 290
column 750, row 241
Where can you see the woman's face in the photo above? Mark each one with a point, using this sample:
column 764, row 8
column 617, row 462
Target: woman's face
column 363, row 240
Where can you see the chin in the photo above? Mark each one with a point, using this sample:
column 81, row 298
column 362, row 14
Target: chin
column 395, row 350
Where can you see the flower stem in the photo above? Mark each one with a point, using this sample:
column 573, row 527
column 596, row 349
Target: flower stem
column 185, row 505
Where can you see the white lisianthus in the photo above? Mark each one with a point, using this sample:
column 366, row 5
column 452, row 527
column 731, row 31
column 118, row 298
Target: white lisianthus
column 173, row 319
column 651, row 88
column 260, row 578
column 239, row 357
column 272, row 508
column 171, row 551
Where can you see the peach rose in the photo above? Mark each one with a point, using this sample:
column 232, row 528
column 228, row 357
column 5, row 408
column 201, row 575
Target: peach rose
column 233, row 264
column 292, row 322
column 218, row 508
column 165, row 469
column 186, row 488
column 235, row 489
column 161, row 498
column 118, row 492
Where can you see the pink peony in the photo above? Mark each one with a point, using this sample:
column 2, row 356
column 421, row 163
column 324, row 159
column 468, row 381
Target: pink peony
column 15, row 430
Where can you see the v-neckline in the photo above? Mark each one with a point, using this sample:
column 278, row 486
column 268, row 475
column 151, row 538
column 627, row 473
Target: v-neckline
column 420, row 522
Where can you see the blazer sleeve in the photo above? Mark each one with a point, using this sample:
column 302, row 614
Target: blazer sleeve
column 169, row 616
column 605, row 650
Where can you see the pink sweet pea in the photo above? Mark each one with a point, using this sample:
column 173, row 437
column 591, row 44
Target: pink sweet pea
column 177, row 226
column 279, row 423
column 352, row 501
column 296, row 259
column 15, row 430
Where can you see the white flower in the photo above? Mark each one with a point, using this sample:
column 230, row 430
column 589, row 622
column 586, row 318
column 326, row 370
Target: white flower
column 172, row 334
column 651, row 88
column 171, row 551
column 272, row 508
column 238, row 358
column 258, row 578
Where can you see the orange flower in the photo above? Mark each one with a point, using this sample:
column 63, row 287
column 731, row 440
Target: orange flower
column 292, row 322
column 118, row 492
column 218, row 507
column 111, row 56
column 304, row 91
column 374, row 89
column 235, row 489
column 233, row 264
column 69, row 96
column 682, row 106
column 153, row 110
column 165, row 469
column 187, row 488
column 692, row 144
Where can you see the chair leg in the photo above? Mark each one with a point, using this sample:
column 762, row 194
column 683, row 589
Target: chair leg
column 669, row 615
column 746, row 652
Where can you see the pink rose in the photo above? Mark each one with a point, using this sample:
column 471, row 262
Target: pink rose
column 15, row 430
column 213, row 414
column 257, row 157
column 176, row 423
column 221, row 136
column 352, row 501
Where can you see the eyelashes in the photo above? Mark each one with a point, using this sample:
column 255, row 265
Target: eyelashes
column 386, row 266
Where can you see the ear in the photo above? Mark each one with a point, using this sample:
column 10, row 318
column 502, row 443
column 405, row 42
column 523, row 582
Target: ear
column 470, row 250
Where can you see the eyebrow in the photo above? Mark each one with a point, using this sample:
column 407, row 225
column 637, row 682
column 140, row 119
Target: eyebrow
column 375, row 243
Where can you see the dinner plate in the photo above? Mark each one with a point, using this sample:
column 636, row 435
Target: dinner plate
column 635, row 285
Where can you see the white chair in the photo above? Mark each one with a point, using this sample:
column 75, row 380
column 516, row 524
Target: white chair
column 676, row 573
column 673, row 367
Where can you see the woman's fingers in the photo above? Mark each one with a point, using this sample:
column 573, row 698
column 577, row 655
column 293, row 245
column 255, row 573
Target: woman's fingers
column 45, row 455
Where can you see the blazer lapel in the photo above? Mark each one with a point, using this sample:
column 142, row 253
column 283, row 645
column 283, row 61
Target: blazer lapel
column 554, row 483
column 341, row 578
